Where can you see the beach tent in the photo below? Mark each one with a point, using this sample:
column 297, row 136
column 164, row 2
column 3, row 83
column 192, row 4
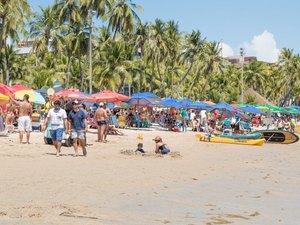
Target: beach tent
column 34, row 96
column 109, row 96
column 186, row 101
column 251, row 109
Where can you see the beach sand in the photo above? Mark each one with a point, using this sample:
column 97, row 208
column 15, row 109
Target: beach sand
column 207, row 183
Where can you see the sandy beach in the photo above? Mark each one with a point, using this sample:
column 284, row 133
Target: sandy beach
column 207, row 184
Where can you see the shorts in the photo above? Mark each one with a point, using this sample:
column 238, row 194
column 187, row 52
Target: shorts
column 101, row 122
column 57, row 134
column 24, row 124
column 78, row 134
column 164, row 151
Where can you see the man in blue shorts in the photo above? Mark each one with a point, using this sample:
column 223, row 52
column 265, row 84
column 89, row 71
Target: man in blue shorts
column 58, row 123
column 77, row 121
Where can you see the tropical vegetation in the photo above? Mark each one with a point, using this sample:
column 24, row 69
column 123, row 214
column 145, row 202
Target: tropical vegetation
column 130, row 56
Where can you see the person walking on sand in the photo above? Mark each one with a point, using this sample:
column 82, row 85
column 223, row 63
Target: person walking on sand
column 24, row 122
column 101, row 119
column 108, row 113
column 58, row 123
column 77, row 126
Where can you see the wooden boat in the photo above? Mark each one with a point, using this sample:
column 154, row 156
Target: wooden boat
column 279, row 136
column 217, row 139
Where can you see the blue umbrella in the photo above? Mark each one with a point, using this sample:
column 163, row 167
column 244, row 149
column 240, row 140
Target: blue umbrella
column 186, row 101
column 170, row 102
column 200, row 105
column 223, row 106
column 144, row 95
column 251, row 109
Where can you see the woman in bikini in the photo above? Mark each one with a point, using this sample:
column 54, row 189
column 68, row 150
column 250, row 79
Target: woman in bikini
column 160, row 146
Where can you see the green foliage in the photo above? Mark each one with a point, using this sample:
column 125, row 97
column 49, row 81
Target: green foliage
column 155, row 57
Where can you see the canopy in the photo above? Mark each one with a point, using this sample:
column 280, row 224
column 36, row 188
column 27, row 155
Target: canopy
column 186, row 101
column 72, row 93
column 273, row 109
column 109, row 96
column 34, row 96
column 170, row 102
column 3, row 97
column 19, row 87
column 223, row 106
column 251, row 109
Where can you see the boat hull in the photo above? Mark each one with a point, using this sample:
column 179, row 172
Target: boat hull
column 257, row 142
column 279, row 136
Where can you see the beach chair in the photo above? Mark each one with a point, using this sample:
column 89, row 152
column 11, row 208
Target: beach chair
column 121, row 121
column 137, row 122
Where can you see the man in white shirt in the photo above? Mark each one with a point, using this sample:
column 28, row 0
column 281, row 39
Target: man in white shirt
column 58, row 123
column 202, row 117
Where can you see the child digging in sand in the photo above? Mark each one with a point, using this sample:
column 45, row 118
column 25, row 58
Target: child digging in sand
column 140, row 148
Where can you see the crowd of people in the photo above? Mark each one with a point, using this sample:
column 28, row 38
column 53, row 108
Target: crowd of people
column 70, row 117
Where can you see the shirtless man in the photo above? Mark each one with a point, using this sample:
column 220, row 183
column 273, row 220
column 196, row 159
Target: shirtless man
column 24, row 123
column 101, row 119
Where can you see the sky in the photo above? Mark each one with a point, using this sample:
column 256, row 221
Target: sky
column 261, row 27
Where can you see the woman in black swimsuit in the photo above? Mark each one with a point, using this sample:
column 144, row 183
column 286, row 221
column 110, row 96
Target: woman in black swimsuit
column 160, row 146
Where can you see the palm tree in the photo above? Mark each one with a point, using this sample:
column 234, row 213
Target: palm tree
column 123, row 17
column 100, row 6
column 255, row 75
column 41, row 28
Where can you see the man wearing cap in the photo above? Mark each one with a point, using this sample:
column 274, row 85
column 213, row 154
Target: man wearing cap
column 24, row 122
column 58, row 123
column 77, row 126
column 101, row 119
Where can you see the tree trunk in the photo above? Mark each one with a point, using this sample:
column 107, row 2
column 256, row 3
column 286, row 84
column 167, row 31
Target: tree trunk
column 187, row 73
column 206, row 82
column 81, row 72
column 68, row 71
column 1, row 44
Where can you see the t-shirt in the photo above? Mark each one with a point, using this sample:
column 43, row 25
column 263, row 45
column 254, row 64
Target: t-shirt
column 203, row 114
column 77, row 120
column 192, row 116
column 56, row 118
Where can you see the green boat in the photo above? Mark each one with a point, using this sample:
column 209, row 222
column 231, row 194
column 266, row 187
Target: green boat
column 229, row 134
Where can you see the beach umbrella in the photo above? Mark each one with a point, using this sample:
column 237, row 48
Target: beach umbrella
column 144, row 95
column 293, row 111
column 72, row 93
column 223, row 106
column 18, row 87
column 209, row 102
column 200, row 105
column 170, row 102
column 3, row 97
column 34, row 96
column 5, row 90
column 109, row 96
column 143, row 99
column 186, row 101
column 251, row 109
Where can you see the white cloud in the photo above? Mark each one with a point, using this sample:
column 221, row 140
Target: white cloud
column 264, row 47
column 226, row 50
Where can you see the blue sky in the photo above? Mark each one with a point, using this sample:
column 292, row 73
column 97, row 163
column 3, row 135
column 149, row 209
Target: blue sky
column 262, row 27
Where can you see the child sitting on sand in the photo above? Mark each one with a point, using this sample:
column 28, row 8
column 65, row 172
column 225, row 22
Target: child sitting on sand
column 140, row 148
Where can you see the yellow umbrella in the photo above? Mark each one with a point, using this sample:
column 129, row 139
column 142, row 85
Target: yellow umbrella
column 3, row 97
column 34, row 96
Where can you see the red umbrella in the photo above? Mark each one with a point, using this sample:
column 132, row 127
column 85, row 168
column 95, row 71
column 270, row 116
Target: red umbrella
column 109, row 96
column 5, row 90
column 72, row 93
column 19, row 87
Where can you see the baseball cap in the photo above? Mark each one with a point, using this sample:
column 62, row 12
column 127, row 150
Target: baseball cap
column 101, row 104
column 76, row 102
